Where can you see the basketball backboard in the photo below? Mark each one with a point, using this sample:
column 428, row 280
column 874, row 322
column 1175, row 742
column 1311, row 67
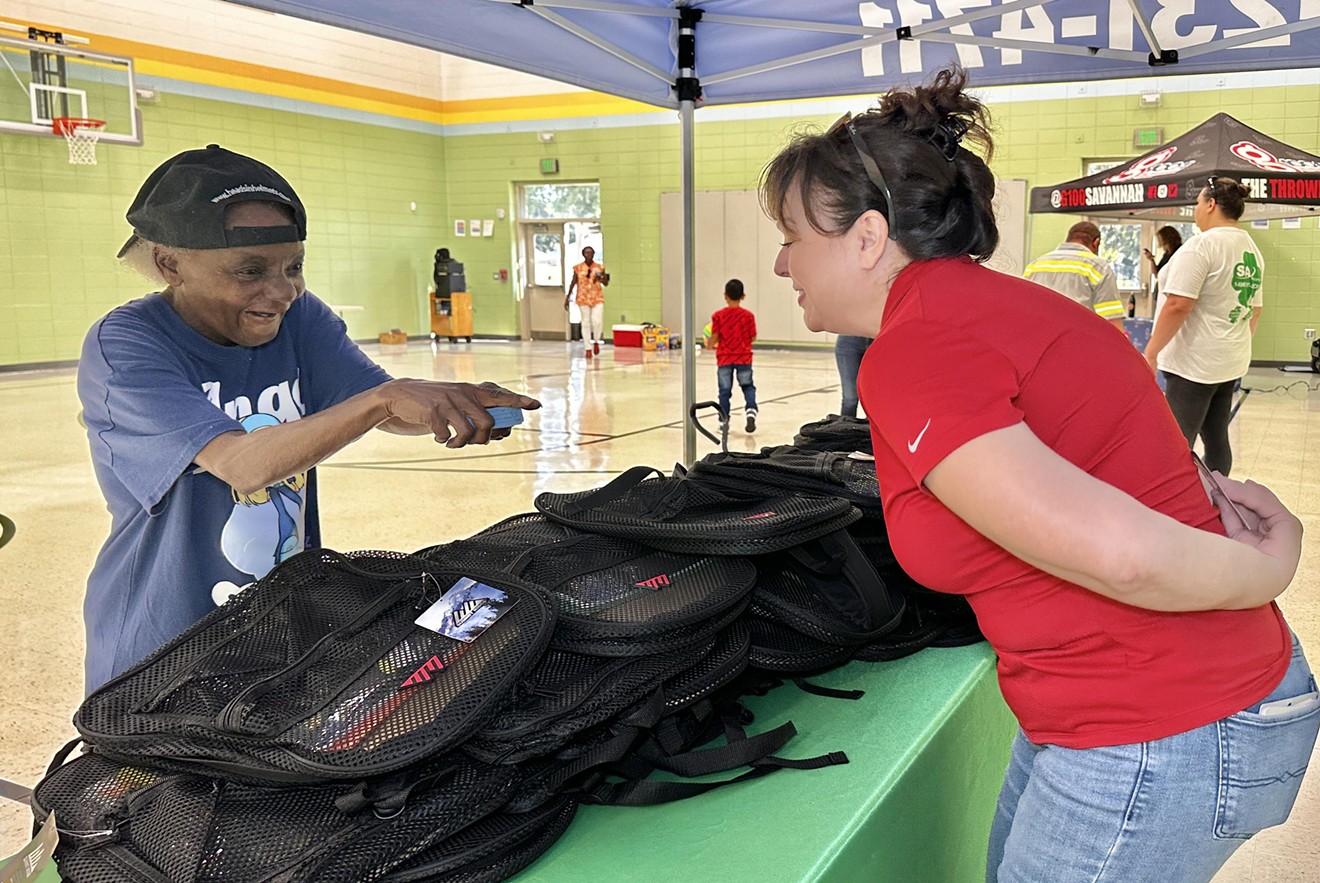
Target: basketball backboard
column 42, row 80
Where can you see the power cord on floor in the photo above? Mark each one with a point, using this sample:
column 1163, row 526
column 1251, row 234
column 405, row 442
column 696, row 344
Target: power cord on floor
column 1286, row 388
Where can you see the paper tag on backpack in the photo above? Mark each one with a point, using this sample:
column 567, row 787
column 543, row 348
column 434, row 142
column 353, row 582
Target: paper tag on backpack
column 35, row 860
column 466, row 610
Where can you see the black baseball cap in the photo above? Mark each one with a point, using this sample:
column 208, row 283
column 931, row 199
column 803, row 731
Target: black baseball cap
column 182, row 203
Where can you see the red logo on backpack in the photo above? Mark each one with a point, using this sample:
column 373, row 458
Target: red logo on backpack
column 654, row 582
column 423, row 674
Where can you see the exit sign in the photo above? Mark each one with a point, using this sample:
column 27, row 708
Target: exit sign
column 549, row 167
column 1147, row 137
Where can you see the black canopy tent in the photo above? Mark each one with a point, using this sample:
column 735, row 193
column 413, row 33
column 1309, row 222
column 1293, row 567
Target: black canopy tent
column 1162, row 185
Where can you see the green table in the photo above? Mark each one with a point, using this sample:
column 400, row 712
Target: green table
column 927, row 743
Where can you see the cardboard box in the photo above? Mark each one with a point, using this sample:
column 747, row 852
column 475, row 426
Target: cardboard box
column 394, row 336
column 627, row 335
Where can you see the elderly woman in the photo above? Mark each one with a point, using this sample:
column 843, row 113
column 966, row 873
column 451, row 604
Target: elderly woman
column 175, row 386
column 1167, row 714
column 1212, row 297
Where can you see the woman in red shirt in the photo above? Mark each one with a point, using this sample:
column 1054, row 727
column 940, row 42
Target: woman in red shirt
column 1167, row 713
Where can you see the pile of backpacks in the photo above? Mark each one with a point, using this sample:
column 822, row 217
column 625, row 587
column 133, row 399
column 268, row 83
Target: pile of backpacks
column 440, row 715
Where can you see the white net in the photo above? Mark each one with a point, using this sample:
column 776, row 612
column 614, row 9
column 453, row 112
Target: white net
column 82, row 136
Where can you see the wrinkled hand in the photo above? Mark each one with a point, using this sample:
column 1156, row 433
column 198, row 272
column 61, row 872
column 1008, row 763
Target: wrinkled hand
column 1252, row 514
column 455, row 413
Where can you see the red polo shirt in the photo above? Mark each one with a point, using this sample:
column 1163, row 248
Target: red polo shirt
column 964, row 350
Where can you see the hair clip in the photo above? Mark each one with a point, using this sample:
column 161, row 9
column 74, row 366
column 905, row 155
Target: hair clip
column 948, row 136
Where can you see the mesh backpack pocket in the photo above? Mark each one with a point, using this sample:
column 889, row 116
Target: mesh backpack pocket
column 320, row 671
column 493, row 849
column 568, row 693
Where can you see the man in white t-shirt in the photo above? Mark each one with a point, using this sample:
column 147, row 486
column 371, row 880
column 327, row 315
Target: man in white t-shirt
column 1202, row 336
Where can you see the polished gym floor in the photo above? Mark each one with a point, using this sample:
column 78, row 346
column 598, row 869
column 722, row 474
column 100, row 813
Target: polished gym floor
column 600, row 417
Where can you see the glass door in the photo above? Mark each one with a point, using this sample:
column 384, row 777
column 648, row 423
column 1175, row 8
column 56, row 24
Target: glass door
column 543, row 303
column 1120, row 244
column 556, row 221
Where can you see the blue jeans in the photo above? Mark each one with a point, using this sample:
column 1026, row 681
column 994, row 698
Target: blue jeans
column 725, row 374
column 848, row 352
column 1168, row 811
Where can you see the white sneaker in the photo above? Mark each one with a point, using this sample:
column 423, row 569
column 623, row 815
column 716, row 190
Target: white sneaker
column 751, row 420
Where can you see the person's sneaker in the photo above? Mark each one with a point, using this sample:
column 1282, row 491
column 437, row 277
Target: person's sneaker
column 588, row 352
column 595, row 347
column 751, row 421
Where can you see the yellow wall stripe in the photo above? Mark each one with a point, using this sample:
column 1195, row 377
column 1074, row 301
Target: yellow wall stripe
column 194, row 67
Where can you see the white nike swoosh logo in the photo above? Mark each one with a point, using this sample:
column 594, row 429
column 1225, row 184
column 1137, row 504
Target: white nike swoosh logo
column 912, row 445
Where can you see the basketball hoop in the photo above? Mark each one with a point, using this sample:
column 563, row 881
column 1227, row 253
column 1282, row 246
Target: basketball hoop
column 82, row 135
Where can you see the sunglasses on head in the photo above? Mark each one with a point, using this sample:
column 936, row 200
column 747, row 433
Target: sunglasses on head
column 869, row 164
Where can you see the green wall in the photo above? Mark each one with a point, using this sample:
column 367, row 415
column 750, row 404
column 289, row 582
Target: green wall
column 1045, row 141
column 62, row 224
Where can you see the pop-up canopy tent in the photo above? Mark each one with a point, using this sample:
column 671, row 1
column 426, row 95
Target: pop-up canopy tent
column 1163, row 184
column 675, row 53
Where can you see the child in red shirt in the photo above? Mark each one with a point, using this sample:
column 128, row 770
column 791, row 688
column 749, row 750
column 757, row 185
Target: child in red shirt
column 732, row 333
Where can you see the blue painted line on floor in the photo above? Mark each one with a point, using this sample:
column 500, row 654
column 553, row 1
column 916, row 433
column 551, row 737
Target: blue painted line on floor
column 1242, row 398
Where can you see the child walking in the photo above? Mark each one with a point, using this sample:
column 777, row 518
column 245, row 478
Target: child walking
column 732, row 333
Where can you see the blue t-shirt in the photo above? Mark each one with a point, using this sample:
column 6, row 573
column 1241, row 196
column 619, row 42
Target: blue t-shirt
column 154, row 392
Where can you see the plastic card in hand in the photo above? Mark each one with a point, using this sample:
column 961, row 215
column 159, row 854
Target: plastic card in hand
column 466, row 610
column 506, row 417
column 1216, row 492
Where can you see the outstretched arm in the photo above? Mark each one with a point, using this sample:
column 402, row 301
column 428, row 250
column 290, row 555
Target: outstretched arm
column 1016, row 491
column 250, row 461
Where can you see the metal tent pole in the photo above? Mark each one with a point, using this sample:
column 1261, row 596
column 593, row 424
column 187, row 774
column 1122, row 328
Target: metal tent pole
column 685, row 116
column 689, row 91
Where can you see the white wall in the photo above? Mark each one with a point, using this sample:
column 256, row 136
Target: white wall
column 734, row 239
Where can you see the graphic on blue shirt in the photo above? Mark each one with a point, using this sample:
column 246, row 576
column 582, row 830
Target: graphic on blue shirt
column 265, row 527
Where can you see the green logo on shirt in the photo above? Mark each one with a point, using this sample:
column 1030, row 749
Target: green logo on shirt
column 1246, row 282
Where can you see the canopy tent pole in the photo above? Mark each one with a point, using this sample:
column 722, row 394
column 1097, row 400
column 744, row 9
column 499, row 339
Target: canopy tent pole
column 686, row 120
column 689, row 91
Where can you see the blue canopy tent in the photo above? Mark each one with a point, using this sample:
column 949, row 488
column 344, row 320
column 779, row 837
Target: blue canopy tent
column 683, row 54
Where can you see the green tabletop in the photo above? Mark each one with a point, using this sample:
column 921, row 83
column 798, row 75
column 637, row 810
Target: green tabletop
column 927, row 744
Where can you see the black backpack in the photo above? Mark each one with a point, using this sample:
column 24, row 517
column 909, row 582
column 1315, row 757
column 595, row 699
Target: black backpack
column 835, row 433
column 613, row 596
column 123, row 823
column 319, row 671
column 696, row 518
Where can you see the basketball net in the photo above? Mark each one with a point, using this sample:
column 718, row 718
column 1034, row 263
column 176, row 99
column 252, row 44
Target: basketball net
column 82, row 135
